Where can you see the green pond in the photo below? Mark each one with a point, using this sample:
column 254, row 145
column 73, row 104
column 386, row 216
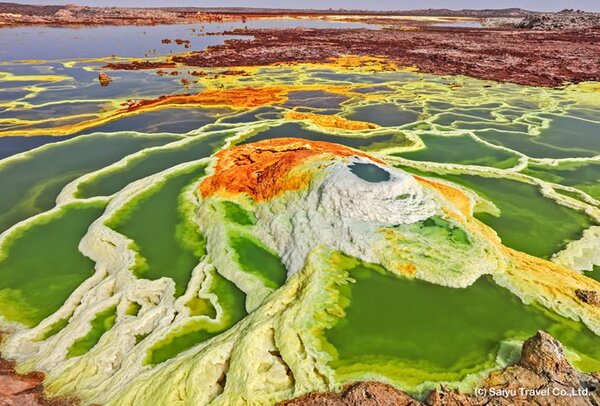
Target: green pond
column 173, row 120
column 103, row 322
column 35, row 180
column 571, row 133
column 257, row 260
column 369, row 172
column 33, row 285
column 412, row 331
column 462, row 150
column 594, row 273
column 316, row 99
column 167, row 242
column 54, row 329
column 232, row 302
column 525, row 215
column 528, row 145
column 237, row 214
column 151, row 162
column 583, row 176
column 386, row 115
column 299, row 131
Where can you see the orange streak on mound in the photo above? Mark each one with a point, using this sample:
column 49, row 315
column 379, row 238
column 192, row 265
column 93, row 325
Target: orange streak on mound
column 454, row 195
column 268, row 168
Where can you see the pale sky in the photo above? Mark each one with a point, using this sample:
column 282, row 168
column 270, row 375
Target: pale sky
column 539, row 5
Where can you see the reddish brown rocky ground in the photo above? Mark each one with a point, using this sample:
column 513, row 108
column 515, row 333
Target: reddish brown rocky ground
column 543, row 58
column 543, row 368
column 25, row 390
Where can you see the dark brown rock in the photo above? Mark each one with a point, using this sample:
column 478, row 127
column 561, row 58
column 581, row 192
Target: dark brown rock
column 544, row 355
column 358, row 394
column 376, row 394
column 104, row 79
column 591, row 297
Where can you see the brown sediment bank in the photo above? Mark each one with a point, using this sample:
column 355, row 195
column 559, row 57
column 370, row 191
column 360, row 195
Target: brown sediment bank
column 543, row 376
column 539, row 58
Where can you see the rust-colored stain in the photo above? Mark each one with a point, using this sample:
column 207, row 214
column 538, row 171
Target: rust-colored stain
column 268, row 168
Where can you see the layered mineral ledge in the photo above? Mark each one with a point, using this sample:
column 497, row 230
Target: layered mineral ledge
column 300, row 236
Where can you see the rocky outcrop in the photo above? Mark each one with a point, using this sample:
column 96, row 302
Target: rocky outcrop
column 566, row 20
column 543, row 376
column 362, row 393
column 104, row 79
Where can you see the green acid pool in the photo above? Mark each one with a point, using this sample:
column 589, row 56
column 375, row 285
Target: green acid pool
column 411, row 332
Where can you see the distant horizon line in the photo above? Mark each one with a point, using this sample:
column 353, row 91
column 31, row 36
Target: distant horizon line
column 338, row 9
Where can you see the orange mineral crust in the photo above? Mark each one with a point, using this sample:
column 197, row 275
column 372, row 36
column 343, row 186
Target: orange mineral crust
column 234, row 98
column 247, row 97
column 454, row 195
column 237, row 97
column 268, row 168
column 330, row 121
